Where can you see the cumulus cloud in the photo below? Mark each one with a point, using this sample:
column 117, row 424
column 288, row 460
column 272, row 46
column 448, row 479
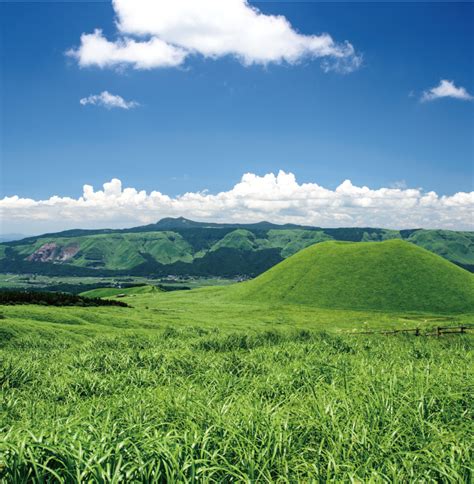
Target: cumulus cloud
column 446, row 89
column 96, row 50
column 108, row 101
column 169, row 31
column 277, row 198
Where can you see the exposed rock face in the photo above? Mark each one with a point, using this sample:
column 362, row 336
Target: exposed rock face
column 67, row 253
column 51, row 252
column 44, row 254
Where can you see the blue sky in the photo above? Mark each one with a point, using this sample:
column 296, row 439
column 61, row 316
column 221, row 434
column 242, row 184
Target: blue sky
column 205, row 123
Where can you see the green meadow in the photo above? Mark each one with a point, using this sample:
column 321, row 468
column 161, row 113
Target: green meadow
column 190, row 386
column 76, row 285
column 243, row 383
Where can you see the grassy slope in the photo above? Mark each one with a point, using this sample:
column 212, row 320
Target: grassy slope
column 455, row 246
column 113, row 291
column 190, row 386
column 391, row 275
column 208, row 308
column 289, row 241
column 292, row 241
column 120, row 251
column 239, row 239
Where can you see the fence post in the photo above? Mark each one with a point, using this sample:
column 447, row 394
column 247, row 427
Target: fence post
column 463, row 329
column 417, row 332
column 438, row 332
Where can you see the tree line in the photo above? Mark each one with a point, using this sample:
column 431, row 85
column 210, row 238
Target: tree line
column 54, row 299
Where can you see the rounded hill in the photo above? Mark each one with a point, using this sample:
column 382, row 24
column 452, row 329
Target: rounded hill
column 391, row 275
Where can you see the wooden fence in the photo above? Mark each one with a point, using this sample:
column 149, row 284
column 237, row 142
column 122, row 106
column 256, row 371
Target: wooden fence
column 438, row 331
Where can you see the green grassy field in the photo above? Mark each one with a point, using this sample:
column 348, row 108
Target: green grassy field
column 111, row 292
column 270, row 380
column 194, row 386
column 80, row 284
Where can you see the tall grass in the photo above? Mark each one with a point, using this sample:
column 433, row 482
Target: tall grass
column 196, row 404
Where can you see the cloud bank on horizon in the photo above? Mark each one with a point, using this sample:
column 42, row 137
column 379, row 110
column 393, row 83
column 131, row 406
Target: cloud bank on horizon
column 276, row 198
column 163, row 33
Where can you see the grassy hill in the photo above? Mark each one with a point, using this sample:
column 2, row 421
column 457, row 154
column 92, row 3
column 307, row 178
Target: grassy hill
column 184, row 247
column 391, row 275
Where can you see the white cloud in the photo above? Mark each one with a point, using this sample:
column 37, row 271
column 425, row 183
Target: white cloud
column 446, row 89
column 169, row 31
column 108, row 101
column 277, row 198
column 96, row 50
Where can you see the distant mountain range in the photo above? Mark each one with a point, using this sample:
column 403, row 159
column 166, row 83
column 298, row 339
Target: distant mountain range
column 11, row 237
column 178, row 246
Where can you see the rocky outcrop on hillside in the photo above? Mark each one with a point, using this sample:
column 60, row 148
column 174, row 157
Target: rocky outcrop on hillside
column 51, row 252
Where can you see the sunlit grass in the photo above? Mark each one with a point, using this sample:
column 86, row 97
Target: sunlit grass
column 186, row 387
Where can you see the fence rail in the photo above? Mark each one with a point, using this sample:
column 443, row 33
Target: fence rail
column 438, row 331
